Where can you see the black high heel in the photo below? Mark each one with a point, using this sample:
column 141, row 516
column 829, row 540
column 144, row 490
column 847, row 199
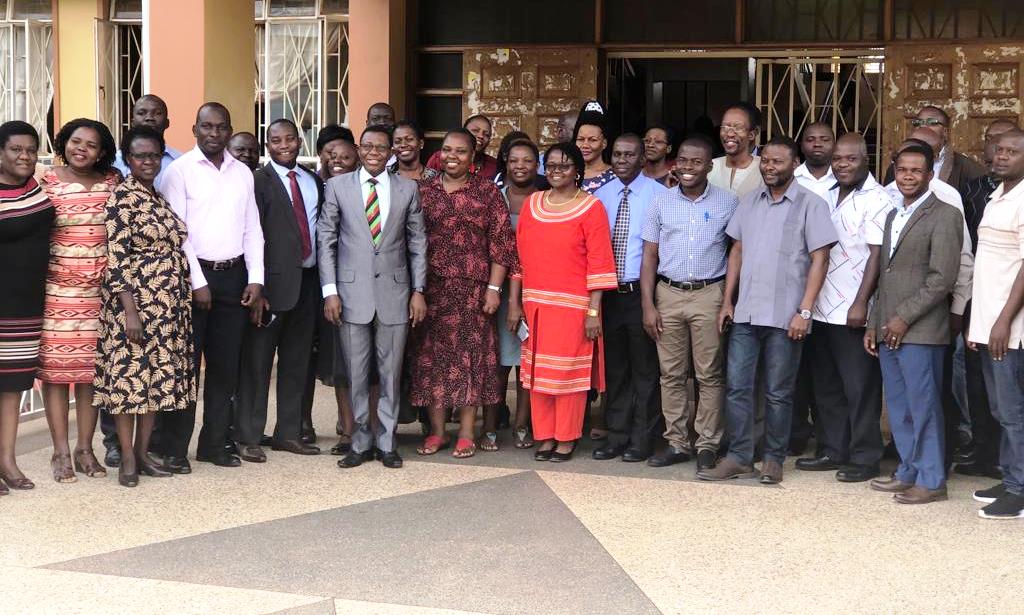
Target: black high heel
column 126, row 479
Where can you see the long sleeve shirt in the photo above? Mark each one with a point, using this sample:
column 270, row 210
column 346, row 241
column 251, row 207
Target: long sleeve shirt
column 219, row 210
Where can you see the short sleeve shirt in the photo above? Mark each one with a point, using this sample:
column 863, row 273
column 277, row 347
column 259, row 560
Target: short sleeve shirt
column 777, row 239
column 1000, row 252
column 692, row 244
column 860, row 222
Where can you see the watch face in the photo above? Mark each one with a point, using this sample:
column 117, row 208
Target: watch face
column 805, row 314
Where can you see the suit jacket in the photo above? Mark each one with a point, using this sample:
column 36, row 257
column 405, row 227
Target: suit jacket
column 372, row 280
column 915, row 283
column 282, row 243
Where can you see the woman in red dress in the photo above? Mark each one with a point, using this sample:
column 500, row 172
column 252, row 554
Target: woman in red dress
column 453, row 355
column 78, row 259
column 565, row 253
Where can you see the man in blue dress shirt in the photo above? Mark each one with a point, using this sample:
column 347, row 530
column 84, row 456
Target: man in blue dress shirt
column 150, row 110
column 633, row 402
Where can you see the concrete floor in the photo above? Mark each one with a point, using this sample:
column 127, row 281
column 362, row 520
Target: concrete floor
column 499, row 533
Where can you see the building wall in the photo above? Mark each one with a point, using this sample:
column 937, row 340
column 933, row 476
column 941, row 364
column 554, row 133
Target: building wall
column 76, row 58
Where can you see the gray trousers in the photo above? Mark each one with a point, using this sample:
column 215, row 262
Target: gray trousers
column 388, row 342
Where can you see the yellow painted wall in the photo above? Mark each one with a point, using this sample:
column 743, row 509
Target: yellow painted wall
column 76, row 58
column 229, row 62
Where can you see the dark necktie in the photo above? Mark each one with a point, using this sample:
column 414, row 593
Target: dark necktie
column 299, row 209
column 620, row 234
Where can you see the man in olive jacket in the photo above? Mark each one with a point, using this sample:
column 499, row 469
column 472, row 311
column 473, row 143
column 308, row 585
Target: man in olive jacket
column 908, row 328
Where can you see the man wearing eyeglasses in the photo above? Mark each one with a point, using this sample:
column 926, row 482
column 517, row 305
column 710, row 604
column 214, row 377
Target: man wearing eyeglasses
column 372, row 252
column 951, row 167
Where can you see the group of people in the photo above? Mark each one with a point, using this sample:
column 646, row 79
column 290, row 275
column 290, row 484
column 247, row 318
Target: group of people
column 719, row 302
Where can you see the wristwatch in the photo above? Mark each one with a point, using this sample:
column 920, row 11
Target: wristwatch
column 805, row 314
column 593, row 312
column 496, row 289
column 418, row 289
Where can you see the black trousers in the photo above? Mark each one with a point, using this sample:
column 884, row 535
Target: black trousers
column 805, row 412
column 290, row 338
column 985, row 429
column 633, row 398
column 218, row 336
column 847, row 392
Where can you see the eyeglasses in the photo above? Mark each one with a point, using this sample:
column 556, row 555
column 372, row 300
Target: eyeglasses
column 150, row 157
column 918, row 122
column 560, row 168
column 380, row 149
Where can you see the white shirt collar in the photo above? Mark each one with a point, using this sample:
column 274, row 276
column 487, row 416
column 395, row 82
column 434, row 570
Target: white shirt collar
column 803, row 171
column 913, row 206
column 365, row 176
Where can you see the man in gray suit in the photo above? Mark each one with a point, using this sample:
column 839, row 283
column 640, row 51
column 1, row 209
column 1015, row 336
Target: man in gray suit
column 908, row 328
column 373, row 269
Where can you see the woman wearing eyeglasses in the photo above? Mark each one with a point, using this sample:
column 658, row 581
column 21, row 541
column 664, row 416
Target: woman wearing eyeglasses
column 470, row 247
column 562, row 356
column 144, row 356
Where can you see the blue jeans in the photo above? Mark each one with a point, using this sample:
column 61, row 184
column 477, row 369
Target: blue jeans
column 782, row 361
column 1004, row 381
column 912, row 379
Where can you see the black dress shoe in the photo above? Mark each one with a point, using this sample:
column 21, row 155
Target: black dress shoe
column 220, row 458
column 856, row 473
column 976, row 468
column 113, row 457
column 266, row 441
column 341, row 448
column 706, row 460
column 294, row 446
column 177, row 465
column 354, row 459
column 391, row 460
column 818, row 464
column 252, row 454
column 667, row 457
column 152, row 467
column 230, row 448
column 561, row 457
column 606, row 452
column 634, row 455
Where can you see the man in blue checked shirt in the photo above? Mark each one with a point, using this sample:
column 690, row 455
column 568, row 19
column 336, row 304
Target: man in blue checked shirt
column 633, row 404
column 682, row 281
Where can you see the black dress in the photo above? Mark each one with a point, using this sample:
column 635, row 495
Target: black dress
column 26, row 217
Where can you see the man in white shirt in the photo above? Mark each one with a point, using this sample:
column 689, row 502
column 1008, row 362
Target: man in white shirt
column 847, row 381
column 997, row 323
column 817, row 144
column 739, row 171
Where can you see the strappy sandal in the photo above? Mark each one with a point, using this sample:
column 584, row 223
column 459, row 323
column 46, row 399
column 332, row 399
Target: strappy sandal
column 86, row 463
column 522, row 438
column 488, row 442
column 433, row 444
column 464, row 448
column 60, row 464
column 19, row 484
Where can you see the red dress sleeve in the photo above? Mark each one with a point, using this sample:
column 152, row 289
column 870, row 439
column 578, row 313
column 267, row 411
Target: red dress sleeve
column 598, row 241
column 501, row 238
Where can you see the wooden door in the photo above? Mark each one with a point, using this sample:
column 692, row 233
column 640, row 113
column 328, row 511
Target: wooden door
column 527, row 88
column 974, row 84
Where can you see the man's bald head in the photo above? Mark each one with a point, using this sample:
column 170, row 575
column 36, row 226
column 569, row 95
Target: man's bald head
column 992, row 132
column 850, row 160
column 932, row 138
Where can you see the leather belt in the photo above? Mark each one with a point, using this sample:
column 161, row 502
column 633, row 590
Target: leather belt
column 628, row 287
column 230, row 263
column 695, row 285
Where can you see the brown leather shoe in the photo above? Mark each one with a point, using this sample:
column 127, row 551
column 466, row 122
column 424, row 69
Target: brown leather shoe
column 889, row 485
column 252, row 453
column 726, row 469
column 920, row 495
column 771, row 473
column 294, row 446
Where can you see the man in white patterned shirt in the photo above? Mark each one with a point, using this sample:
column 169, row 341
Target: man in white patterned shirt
column 847, row 380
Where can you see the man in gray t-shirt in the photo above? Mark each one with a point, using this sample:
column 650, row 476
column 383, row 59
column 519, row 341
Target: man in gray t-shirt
column 782, row 234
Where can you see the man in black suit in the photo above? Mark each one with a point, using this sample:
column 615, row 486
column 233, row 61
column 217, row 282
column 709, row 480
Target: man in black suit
column 288, row 197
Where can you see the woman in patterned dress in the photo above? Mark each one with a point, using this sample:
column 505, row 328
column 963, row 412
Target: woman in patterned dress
column 144, row 361
column 78, row 256
column 590, row 136
column 453, row 354
column 26, row 216
column 565, row 251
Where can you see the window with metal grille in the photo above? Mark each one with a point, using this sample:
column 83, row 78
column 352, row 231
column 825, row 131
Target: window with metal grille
column 26, row 66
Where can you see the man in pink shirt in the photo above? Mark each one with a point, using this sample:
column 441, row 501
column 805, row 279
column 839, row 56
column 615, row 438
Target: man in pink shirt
column 213, row 193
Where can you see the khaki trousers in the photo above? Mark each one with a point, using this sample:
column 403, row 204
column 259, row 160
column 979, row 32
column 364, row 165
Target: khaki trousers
column 690, row 338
